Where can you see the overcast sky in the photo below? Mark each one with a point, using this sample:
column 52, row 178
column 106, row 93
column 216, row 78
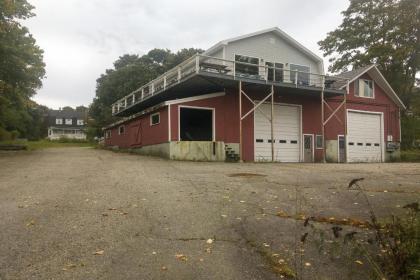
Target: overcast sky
column 82, row 38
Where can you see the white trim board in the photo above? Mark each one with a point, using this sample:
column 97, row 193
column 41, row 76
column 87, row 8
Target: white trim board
column 194, row 98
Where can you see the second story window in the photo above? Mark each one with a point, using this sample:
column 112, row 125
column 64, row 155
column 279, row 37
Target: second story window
column 245, row 65
column 69, row 121
column 58, row 121
column 364, row 88
column 301, row 72
column 80, row 122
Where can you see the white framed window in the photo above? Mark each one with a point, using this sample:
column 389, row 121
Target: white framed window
column 364, row 88
column 301, row 72
column 121, row 129
column 69, row 121
column 108, row 134
column 80, row 122
column 155, row 119
column 319, row 142
column 245, row 65
column 58, row 121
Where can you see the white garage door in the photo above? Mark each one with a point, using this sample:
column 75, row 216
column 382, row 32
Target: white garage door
column 286, row 133
column 364, row 139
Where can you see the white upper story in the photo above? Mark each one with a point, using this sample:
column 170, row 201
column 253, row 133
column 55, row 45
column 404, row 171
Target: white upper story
column 269, row 46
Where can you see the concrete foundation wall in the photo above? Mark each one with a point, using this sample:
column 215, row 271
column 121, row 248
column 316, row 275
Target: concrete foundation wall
column 331, row 152
column 159, row 150
column 197, row 150
column 393, row 156
column 185, row 150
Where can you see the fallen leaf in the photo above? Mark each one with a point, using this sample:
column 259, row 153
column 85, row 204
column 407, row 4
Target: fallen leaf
column 358, row 262
column 154, row 253
column 209, row 241
column 208, row 250
column 201, row 260
column 223, row 216
column 164, row 268
column 266, row 245
column 100, row 252
column 242, row 201
column 181, row 257
column 31, row 223
column 307, row 264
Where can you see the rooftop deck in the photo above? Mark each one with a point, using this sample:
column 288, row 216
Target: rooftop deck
column 203, row 74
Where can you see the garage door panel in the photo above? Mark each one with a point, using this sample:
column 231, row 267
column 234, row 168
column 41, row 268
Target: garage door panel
column 286, row 131
column 364, row 140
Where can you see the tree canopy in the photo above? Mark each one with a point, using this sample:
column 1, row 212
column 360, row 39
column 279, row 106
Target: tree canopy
column 21, row 72
column 384, row 32
column 129, row 73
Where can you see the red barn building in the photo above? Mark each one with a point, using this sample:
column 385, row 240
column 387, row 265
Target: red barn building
column 260, row 97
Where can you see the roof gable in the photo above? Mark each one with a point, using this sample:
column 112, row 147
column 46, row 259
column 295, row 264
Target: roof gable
column 274, row 30
column 379, row 79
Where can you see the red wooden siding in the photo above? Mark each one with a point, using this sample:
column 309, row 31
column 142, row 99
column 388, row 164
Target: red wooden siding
column 140, row 133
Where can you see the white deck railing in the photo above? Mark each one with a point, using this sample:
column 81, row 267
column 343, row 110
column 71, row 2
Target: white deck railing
column 225, row 68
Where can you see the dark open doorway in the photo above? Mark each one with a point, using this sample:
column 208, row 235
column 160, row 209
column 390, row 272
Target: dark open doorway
column 196, row 124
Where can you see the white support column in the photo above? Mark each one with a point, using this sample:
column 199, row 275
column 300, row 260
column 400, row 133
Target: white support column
column 272, row 123
column 179, row 74
column 197, row 63
column 322, row 121
column 240, row 121
column 164, row 82
column 134, row 98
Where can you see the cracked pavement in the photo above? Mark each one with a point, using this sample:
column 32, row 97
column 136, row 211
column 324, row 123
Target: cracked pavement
column 58, row 207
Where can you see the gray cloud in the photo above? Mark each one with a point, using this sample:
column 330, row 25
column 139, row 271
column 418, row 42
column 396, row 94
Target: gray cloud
column 82, row 38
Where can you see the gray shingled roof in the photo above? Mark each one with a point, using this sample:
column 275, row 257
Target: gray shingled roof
column 353, row 73
column 66, row 114
column 340, row 80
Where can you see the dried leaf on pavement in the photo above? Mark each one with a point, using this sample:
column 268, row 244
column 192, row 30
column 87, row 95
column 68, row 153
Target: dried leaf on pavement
column 181, row 257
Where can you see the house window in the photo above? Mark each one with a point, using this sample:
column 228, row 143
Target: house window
column 58, row 121
column 319, row 142
column 365, row 88
column 300, row 72
column 274, row 71
column 246, row 65
column 80, row 122
column 155, row 119
column 69, row 121
column 108, row 134
column 121, row 129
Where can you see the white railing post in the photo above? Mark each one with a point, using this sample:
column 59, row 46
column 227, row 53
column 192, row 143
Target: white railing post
column 125, row 103
column 234, row 70
column 164, row 82
column 179, row 73
column 142, row 94
column 153, row 88
column 296, row 78
column 134, row 98
column 197, row 63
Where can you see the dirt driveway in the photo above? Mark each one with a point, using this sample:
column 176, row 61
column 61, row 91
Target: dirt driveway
column 81, row 213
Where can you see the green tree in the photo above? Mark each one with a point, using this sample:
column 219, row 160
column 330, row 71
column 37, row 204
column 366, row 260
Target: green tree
column 129, row 73
column 384, row 32
column 21, row 70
